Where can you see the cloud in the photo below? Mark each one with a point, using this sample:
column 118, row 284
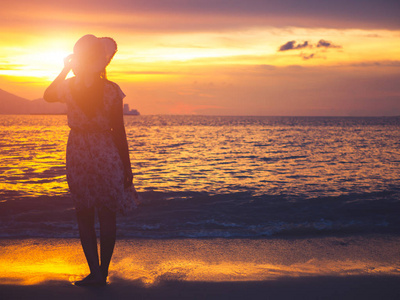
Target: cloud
column 291, row 45
column 392, row 63
column 326, row 44
column 146, row 73
column 287, row 46
column 266, row 67
column 307, row 56
column 194, row 15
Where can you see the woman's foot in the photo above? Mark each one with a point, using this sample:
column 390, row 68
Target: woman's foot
column 92, row 280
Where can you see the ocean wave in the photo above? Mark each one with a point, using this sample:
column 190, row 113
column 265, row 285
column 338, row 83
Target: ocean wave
column 200, row 215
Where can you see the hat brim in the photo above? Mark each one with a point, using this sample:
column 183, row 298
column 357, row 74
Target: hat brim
column 110, row 48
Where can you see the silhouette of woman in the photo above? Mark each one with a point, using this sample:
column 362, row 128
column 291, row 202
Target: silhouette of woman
column 99, row 171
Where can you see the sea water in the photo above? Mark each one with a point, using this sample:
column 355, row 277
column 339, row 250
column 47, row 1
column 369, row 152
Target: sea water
column 209, row 176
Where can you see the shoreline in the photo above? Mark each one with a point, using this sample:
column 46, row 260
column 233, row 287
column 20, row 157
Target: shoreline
column 209, row 268
column 330, row 287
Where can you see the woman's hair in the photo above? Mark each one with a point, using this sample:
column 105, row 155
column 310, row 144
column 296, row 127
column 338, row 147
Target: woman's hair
column 103, row 74
column 90, row 99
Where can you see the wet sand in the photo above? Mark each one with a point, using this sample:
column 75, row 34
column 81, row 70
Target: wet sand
column 353, row 267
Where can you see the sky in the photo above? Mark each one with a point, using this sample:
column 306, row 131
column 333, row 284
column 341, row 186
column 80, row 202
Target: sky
column 218, row 57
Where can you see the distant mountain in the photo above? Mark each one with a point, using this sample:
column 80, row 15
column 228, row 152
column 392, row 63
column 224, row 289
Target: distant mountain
column 12, row 104
column 40, row 106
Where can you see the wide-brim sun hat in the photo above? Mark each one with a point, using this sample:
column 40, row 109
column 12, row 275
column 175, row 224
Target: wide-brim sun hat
column 93, row 54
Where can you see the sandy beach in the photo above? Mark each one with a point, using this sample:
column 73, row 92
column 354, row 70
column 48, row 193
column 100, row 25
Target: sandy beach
column 352, row 267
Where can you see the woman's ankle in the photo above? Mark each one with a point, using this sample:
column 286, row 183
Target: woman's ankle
column 104, row 272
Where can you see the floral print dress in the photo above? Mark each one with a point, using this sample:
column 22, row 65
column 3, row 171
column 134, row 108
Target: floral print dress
column 94, row 167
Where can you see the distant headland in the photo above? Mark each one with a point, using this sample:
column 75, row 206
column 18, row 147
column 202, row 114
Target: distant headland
column 11, row 104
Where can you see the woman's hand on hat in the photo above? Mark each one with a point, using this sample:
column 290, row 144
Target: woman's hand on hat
column 68, row 62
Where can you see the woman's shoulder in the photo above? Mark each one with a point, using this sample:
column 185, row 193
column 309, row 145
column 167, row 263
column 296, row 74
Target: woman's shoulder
column 114, row 88
column 112, row 84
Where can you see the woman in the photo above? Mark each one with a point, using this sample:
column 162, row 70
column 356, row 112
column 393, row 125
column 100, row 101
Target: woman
column 99, row 171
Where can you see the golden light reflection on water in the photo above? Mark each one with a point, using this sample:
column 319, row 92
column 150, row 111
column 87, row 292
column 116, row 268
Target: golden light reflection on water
column 151, row 261
column 217, row 155
column 226, row 271
column 35, row 261
column 33, row 155
column 268, row 159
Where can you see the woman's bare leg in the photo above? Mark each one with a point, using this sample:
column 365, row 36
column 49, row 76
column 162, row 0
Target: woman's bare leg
column 108, row 230
column 87, row 233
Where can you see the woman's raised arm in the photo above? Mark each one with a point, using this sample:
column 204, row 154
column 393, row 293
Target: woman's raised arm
column 51, row 93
